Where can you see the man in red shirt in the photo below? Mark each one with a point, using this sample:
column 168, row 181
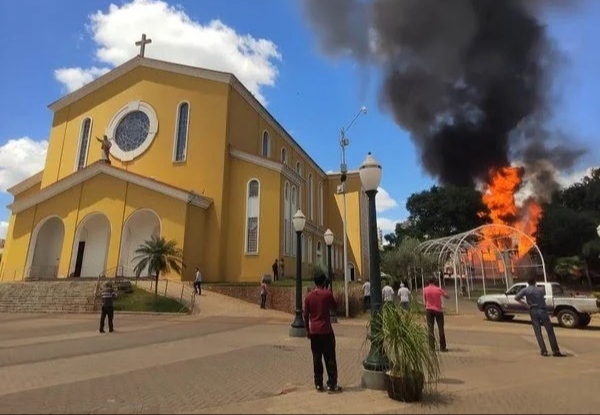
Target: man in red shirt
column 433, row 308
column 317, row 306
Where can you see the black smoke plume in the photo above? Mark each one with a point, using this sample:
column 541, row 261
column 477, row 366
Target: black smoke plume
column 470, row 80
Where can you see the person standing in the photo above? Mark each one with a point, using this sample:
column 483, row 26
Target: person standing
column 198, row 282
column 404, row 295
column 317, row 305
column 264, row 291
column 366, row 295
column 536, row 302
column 275, row 270
column 108, row 310
column 387, row 293
column 435, row 313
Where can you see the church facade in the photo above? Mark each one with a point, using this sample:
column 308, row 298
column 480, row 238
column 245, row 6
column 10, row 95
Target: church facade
column 194, row 158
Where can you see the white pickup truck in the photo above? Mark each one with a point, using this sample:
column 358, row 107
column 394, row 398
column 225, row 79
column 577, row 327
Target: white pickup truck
column 570, row 311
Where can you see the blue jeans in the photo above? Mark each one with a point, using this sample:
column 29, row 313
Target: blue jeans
column 539, row 318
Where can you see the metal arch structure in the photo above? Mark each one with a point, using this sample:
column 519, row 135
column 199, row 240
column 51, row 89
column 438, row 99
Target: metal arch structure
column 512, row 250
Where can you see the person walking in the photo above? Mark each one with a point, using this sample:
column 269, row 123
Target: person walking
column 538, row 310
column 404, row 295
column 198, row 282
column 435, row 313
column 264, row 291
column 317, row 304
column 108, row 310
column 387, row 293
column 275, row 268
column 366, row 295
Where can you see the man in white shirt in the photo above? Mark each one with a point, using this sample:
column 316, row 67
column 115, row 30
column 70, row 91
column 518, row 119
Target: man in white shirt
column 404, row 294
column 387, row 293
column 198, row 282
column 366, row 295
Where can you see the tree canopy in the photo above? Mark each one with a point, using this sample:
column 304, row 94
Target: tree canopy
column 440, row 211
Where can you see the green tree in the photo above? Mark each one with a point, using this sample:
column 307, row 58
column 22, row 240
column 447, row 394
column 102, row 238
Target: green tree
column 438, row 212
column 399, row 262
column 158, row 256
column 568, row 224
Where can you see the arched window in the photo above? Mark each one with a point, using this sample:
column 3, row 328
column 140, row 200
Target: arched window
column 310, row 197
column 310, row 250
column 284, row 155
column 84, row 142
column 319, row 253
column 181, row 132
column 252, row 216
column 321, row 213
column 287, row 220
column 266, row 145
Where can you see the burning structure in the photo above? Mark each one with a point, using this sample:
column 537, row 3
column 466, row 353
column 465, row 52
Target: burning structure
column 471, row 81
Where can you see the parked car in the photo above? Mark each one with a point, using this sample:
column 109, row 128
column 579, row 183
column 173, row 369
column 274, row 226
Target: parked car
column 570, row 311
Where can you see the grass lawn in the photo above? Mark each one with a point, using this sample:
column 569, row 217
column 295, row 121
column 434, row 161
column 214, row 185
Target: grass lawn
column 141, row 300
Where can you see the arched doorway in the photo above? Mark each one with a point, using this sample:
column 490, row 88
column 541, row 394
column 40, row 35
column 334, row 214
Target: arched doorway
column 90, row 248
column 141, row 226
column 45, row 248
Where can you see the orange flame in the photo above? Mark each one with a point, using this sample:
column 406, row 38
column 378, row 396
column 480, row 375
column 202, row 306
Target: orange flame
column 499, row 197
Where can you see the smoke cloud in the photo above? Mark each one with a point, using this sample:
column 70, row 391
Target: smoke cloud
column 470, row 80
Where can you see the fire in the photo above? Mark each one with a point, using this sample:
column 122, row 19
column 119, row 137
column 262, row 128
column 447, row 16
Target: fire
column 499, row 197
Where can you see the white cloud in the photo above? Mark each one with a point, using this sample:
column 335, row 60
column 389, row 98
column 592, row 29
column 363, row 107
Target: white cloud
column 75, row 78
column 384, row 201
column 19, row 159
column 3, row 229
column 175, row 38
column 566, row 180
column 388, row 225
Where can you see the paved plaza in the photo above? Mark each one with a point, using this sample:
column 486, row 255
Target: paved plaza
column 244, row 362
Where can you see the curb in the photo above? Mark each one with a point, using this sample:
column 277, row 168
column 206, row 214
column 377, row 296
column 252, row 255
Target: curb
column 151, row 313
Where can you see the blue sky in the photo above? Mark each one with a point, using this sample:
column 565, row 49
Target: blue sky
column 311, row 95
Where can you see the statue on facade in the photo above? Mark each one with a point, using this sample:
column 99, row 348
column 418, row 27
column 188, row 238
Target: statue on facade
column 106, row 145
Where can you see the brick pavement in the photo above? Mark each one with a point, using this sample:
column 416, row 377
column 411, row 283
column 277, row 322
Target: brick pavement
column 196, row 364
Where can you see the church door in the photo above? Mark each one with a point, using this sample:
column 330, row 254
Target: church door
column 79, row 260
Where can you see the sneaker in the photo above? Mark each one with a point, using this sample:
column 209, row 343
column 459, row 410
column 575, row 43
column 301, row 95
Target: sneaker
column 444, row 350
column 544, row 353
column 558, row 354
column 319, row 388
column 334, row 389
column 102, row 331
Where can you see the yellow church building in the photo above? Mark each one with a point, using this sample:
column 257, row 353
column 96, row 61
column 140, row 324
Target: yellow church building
column 194, row 158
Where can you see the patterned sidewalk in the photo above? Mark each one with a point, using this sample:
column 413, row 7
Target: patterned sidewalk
column 228, row 364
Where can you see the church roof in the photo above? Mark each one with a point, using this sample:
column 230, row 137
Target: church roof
column 104, row 168
column 192, row 71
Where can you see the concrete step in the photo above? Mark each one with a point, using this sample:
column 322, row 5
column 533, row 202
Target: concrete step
column 53, row 296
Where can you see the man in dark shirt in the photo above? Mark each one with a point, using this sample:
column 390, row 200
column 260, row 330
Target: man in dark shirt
column 108, row 294
column 538, row 311
column 317, row 306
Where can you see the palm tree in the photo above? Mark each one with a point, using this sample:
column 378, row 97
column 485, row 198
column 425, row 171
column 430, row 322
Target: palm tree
column 158, row 256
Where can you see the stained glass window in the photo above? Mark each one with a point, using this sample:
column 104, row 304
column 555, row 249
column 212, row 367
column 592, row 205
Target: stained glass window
column 132, row 131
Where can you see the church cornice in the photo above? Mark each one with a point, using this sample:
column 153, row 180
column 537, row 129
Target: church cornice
column 103, row 168
column 281, row 168
column 26, row 184
column 217, row 76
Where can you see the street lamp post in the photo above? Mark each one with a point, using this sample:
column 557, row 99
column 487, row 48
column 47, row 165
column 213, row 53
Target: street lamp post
column 329, row 241
column 376, row 362
column 344, row 142
column 298, row 329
